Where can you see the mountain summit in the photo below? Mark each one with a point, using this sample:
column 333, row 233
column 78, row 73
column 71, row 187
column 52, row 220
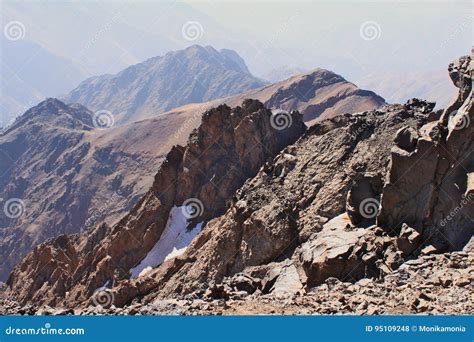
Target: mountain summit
column 319, row 94
column 195, row 74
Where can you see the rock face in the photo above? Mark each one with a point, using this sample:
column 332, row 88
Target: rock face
column 428, row 185
column 229, row 147
column 66, row 175
column 116, row 165
column 195, row 74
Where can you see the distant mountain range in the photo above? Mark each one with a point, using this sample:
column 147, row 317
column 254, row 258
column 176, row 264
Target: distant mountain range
column 318, row 95
column 195, row 74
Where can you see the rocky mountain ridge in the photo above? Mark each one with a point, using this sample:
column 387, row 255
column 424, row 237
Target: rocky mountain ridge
column 229, row 147
column 318, row 94
column 159, row 84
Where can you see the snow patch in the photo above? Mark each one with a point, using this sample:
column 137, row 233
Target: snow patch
column 103, row 287
column 172, row 243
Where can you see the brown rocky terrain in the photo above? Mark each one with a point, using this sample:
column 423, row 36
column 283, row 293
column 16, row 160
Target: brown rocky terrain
column 353, row 217
column 318, row 95
column 430, row 284
column 70, row 175
column 229, row 147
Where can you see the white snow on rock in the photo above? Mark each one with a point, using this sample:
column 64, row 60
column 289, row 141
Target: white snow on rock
column 173, row 242
column 104, row 287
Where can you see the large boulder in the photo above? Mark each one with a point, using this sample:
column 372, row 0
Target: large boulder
column 429, row 185
column 342, row 252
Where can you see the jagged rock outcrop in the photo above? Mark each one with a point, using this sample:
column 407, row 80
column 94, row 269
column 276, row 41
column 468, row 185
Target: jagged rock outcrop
column 229, row 147
column 74, row 179
column 428, row 185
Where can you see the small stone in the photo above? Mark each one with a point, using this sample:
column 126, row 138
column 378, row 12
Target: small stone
column 430, row 249
column 463, row 281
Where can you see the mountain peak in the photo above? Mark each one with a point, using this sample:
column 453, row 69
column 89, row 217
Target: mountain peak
column 159, row 84
column 56, row 113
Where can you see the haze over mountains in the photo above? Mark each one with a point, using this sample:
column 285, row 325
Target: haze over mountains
column 30, row 73
column 195, row 74
column 77, row 40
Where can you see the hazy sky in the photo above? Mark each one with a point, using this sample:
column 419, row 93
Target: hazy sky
column 57, row 44
column 425, row 35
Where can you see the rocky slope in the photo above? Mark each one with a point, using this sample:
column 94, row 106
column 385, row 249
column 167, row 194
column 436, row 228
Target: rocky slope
column 318, row 95
column 195, row 74
column 430, row 284
column 330, row 211
column 60, row 174
column 229, row 147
